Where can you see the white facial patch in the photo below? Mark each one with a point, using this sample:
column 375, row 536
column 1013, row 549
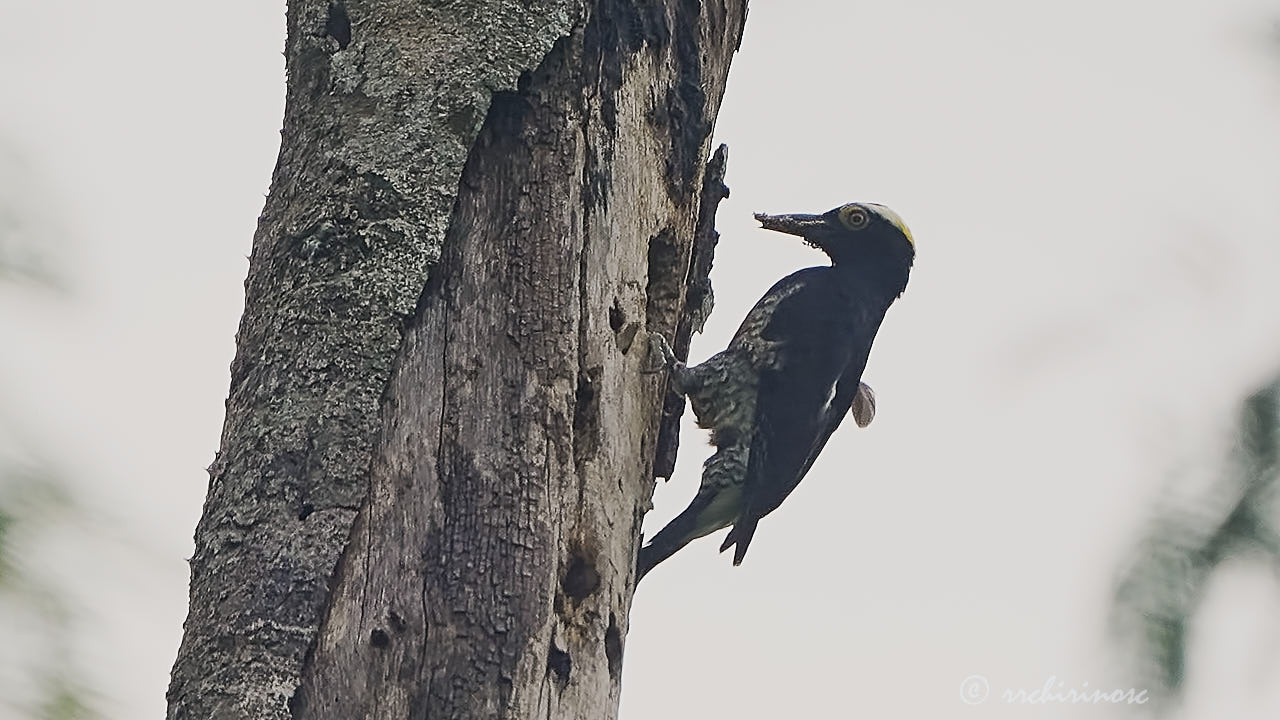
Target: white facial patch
column 893, row 218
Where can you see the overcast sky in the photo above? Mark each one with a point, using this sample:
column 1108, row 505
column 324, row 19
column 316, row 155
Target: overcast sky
column 1093, row 187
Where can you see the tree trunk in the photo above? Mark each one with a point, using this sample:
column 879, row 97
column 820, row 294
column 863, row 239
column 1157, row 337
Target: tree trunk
column 479, row 209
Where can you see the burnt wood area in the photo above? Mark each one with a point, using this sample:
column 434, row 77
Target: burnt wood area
column 439, row 446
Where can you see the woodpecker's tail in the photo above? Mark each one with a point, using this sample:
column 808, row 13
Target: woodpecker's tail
column 684, row 529
column 714, row 507
column 666, row 543
column 740, row 536
column 648, row 560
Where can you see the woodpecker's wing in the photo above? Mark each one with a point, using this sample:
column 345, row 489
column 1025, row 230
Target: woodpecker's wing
column 850, row 386
column 783, row 450
column 801, row 400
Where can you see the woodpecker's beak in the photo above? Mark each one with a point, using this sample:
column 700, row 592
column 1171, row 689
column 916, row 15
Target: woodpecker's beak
column 801, row 225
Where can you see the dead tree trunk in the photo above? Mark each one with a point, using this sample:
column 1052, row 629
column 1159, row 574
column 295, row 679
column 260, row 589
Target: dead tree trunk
column 438, row 448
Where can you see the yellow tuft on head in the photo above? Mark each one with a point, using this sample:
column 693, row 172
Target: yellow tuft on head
column 894, row 220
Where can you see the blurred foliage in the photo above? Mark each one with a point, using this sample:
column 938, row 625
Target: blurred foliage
column 28, row 492
column 6, row 521
column 37, row 615
column 1157, row 598
column 64, row 701
column 34, row 501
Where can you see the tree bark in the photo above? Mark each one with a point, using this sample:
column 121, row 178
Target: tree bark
column 479, row 209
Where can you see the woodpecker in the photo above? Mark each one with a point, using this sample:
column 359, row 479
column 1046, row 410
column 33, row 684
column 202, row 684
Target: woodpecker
column 793, row 370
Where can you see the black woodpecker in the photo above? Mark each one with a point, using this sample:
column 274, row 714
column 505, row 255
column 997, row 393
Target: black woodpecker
column 790, row 374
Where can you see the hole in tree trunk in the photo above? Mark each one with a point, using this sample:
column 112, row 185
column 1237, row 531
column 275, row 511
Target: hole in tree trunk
column 338, row 26
column 559, row 664
column 613, row 646
column 586, row 416
column 662, row 291
column 616, row 316
column 581, row 579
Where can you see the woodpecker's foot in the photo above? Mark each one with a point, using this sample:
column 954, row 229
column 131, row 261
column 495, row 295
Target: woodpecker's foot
column 863, row 407
column 661, row 357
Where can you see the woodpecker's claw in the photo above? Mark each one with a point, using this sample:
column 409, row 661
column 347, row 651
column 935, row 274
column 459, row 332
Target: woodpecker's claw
column 661, row 357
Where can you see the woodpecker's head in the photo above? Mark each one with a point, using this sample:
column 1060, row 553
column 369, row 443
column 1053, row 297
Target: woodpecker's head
column 858, row 234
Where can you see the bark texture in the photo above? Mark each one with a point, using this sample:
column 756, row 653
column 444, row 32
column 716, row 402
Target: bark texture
column 495, row 456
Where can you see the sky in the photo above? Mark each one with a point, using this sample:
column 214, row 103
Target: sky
column 1092, row 188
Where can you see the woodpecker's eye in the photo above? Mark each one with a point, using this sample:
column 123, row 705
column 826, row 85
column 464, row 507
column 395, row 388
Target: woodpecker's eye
column 854, row 217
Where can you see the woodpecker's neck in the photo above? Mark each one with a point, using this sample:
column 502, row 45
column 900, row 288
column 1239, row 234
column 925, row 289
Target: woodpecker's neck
column 877, row 281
